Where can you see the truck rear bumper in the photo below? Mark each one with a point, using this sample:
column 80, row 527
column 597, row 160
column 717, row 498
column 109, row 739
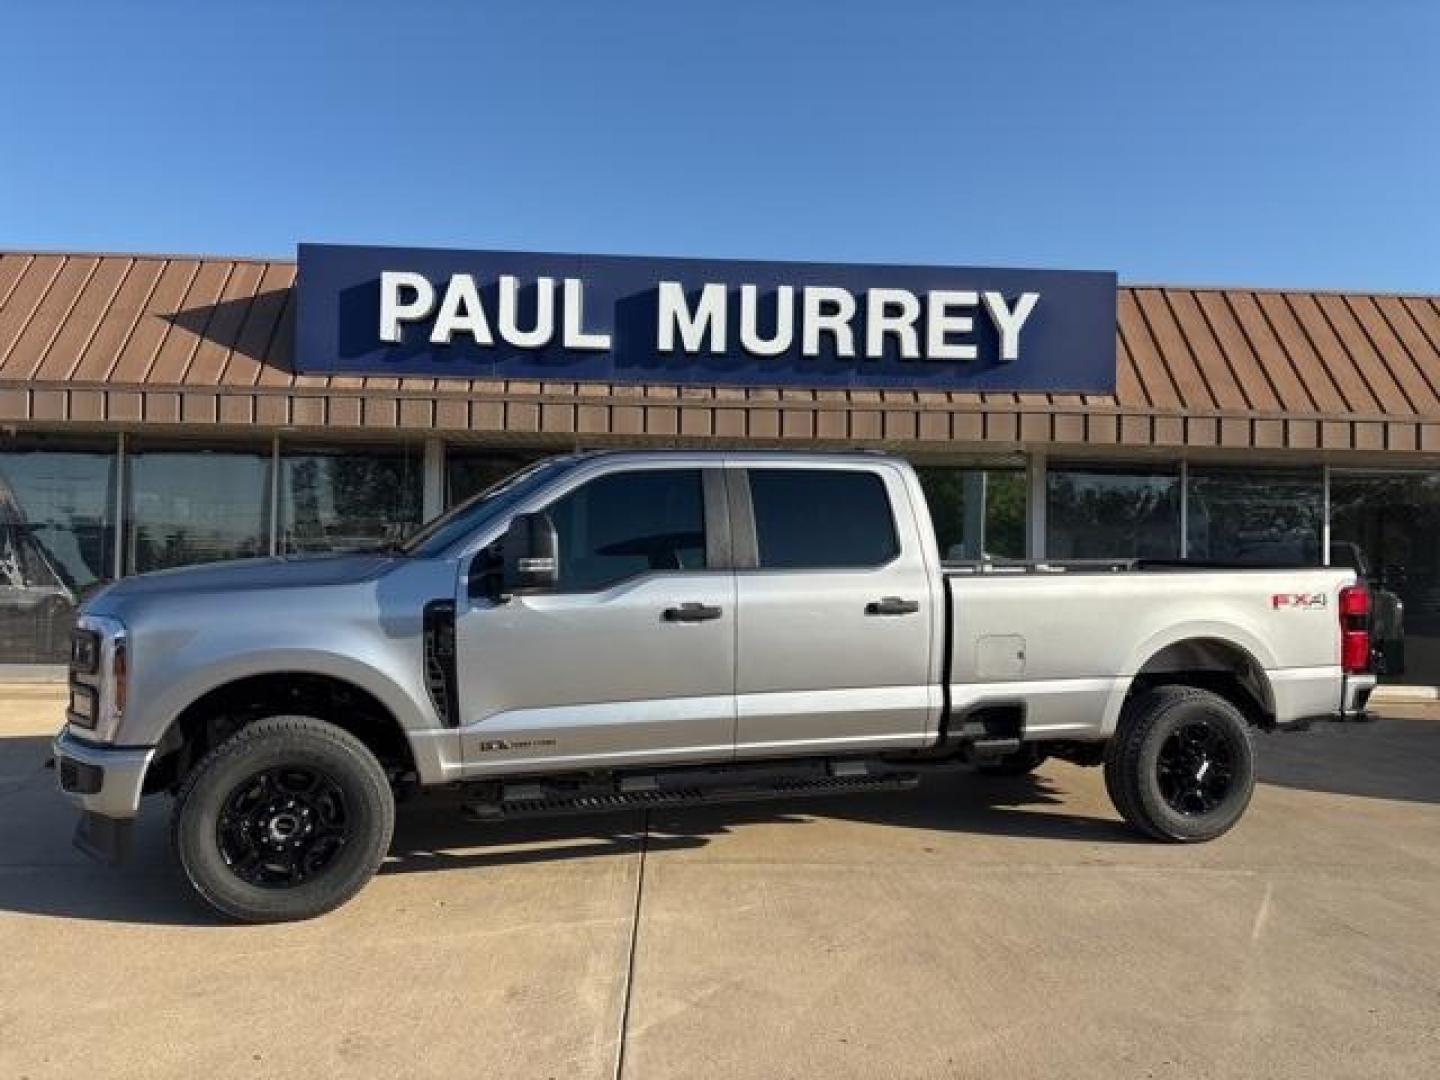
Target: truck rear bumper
column 106, row 783
column 1356, row 696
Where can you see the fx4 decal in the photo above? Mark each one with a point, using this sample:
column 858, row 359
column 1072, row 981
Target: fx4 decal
column 1298, row 601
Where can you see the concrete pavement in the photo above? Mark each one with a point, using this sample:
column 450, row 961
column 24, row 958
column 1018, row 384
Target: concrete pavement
column 974, row 928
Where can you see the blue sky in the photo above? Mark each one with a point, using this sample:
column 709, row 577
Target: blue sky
column 1266, row 143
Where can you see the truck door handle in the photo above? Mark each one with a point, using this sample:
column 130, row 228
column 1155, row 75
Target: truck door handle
column 892, row 605
column 691, row 613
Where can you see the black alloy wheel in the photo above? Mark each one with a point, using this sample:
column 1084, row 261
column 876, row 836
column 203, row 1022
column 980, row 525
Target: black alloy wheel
column 283, row 825
column 1195, row 769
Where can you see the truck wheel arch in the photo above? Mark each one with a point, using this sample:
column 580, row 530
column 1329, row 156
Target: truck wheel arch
column 1209, row 660
column 220, row 711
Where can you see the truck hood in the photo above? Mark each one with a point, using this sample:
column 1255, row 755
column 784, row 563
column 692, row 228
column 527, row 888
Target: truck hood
column 245, row 574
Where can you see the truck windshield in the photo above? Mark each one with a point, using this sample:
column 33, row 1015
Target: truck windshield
column 465, row 518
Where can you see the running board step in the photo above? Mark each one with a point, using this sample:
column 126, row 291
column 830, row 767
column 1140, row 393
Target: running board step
column 655, row 798
column 985, row 749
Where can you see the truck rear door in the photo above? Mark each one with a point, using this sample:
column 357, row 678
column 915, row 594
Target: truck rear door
column 833, row 651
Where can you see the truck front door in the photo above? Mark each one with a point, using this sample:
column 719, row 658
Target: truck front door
column 836, row 614
column 631, row 657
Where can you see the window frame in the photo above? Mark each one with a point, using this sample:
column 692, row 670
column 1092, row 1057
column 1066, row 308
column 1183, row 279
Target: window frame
column 745, row 531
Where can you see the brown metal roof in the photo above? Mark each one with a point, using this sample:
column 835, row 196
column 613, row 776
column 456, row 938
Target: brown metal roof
column 140, row 339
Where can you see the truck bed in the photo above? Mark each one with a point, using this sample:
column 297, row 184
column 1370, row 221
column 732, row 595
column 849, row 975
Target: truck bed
column 1067, row 638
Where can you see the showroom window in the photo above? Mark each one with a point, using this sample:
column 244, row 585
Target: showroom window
column 57, row 516
column 470, row 470
column 1388, row 522
column 977, row 513
column 348, row 498
column 186, row 505
column 1100, row 512
column 1255, row 515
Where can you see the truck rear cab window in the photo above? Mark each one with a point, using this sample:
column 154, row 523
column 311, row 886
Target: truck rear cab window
column 813, row 519
column 630, row 523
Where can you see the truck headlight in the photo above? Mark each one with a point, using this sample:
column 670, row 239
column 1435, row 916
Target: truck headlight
column 84, row 651
column 99, row 675
column 84, row 707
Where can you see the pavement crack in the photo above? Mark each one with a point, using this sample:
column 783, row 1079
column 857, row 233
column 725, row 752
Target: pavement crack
column 630, row 951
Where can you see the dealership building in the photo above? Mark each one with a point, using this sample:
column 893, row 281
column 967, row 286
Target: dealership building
column 159, row 411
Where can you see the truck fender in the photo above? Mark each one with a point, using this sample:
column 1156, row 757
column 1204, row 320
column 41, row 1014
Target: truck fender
column 420, row 726
column 1227, row 634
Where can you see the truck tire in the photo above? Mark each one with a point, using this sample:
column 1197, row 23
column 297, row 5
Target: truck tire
column 1181, row 767
column 287, row 819
column 1025, row 760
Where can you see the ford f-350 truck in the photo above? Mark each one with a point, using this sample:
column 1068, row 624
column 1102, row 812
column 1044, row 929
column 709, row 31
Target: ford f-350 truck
column 651, row 629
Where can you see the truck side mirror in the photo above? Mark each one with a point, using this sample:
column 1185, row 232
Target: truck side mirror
column 529, row 555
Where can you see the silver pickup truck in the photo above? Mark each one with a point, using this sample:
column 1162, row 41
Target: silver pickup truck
column 651, row 629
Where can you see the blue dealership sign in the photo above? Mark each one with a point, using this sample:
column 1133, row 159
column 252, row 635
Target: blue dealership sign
column 523, row 315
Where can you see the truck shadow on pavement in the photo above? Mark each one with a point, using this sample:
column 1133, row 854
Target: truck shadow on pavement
column 1393, row 757
column 41, row 874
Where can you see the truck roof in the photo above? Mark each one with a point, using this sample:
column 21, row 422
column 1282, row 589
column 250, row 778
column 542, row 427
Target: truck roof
column 868, row 456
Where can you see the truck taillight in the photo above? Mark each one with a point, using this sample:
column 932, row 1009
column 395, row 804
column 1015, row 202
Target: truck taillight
column 1354, row 629
column 1354, row 600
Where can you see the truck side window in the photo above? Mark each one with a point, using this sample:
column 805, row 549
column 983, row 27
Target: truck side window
column 630, row 523
column 821, row 519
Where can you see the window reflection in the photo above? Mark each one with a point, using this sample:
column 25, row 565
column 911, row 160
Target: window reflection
column 1255, row 516
column 1102, row 513
column 56, row 537
column 195, row 506
column 470, row 471
column 617, row 526
column 978, row 513
column 348, row 499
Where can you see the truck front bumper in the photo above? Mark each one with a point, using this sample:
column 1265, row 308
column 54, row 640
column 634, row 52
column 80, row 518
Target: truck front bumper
column 106, row 783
